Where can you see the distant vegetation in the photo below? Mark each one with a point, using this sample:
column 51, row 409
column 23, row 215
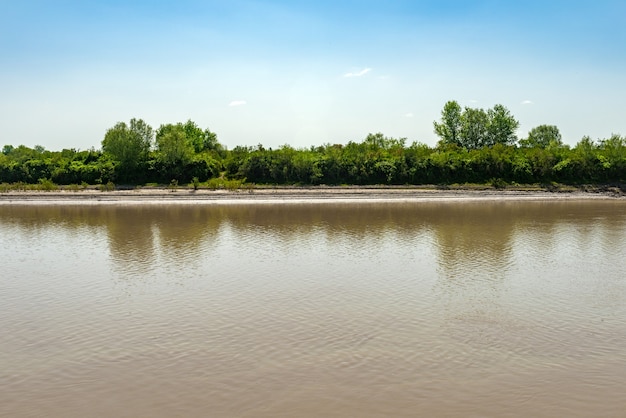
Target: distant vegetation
column 476, row 146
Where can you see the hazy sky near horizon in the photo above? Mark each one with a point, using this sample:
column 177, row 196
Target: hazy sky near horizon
column 306, row 72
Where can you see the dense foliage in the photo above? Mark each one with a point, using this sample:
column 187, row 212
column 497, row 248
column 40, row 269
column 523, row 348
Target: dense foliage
column 476, row 146
column 476, row 128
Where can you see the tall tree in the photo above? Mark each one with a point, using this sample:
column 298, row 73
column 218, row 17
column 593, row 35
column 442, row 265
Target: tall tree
column 449, row 129
column 128, row 144
column 211, row 143
column 173, row 146
column 195, row 136
column 541, row 136
column 474, row 128
column 201, row 140
column 613, row 152
column 501, row 127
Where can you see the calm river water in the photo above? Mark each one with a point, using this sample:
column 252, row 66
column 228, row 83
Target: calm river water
column 455, row 309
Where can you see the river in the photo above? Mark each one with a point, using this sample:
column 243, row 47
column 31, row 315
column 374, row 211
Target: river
column 310, row 309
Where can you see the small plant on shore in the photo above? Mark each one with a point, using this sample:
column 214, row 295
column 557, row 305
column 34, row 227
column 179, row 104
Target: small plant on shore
column 46, row 185
column 108, row 187
column 498, row 183
column 19, row 186
column 551, row 186
column 233, row 184
column 173, row 185
column 222, row 183
column 196, row 183
column 215, row 183
column 73, row 187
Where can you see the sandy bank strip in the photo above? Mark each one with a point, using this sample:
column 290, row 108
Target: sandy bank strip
column 286, row 195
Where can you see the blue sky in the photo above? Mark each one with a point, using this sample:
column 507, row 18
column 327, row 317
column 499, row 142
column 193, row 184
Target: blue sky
column 306, row 72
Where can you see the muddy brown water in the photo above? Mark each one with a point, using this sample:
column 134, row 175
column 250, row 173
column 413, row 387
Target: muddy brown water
column 368, row 309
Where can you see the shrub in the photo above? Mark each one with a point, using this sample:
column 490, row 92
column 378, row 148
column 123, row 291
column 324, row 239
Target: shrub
column 498, row 183
column 108, row 187
column 46, row 185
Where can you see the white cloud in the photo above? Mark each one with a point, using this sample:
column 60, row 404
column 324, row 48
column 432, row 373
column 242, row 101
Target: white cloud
column 237, row 103
column 527, row 102
column 408, row 115
column 358, row 73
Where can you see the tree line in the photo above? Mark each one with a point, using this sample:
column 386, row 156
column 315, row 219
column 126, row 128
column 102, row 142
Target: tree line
column 475, row 146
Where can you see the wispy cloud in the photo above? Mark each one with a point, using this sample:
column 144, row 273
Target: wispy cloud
column 527, row 102
column 408, row 115
column 237, row 103
column 358, row 73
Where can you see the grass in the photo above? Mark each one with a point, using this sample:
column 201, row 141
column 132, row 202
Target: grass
column 108, row 187
column 46, row 185
column 221, row 183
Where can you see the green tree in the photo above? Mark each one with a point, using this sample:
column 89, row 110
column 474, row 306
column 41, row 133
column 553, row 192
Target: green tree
column 585, row 160
column 542, row 136
column 128, row 144
column 474, row 128
column 613, row 157
column 449, row 129
column 211, row 143
column 501, row 127
column 380, row 141
column 195, row 136
column 173, row 147
column 201, row 140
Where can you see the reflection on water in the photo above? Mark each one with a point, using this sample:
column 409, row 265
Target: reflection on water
column 360, row 309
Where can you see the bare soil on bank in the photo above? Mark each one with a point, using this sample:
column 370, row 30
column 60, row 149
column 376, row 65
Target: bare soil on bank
column 301, row 194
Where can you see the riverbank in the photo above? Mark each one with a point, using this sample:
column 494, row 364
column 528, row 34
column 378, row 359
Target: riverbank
column 298, row 194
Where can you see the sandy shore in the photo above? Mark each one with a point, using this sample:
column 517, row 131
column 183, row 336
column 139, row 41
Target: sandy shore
column 291, row 194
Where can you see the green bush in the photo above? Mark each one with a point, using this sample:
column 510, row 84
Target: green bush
column 498, row 183
column 108, row 187
column 224, row 184
column 46, row 185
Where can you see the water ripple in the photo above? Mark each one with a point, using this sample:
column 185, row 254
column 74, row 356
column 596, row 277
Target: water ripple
column 333, row 310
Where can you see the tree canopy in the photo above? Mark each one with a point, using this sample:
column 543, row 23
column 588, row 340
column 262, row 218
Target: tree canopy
column 476, row 146
column 128, row 145
column 542, row 136
column 474, row 128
